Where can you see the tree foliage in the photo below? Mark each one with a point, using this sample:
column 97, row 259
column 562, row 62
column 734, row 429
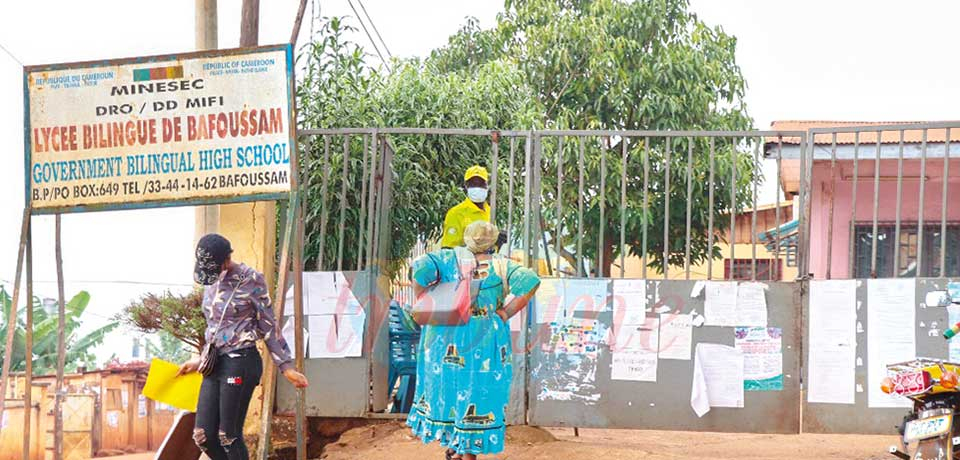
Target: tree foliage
column 427, row 171
column 643, row 65
column 180, row 316
column 567, row 64
column 79, row 348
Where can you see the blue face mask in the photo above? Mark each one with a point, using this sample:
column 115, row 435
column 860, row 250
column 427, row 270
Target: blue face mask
column 477, row 194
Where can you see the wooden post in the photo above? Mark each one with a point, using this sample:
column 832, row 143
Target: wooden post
column 298, row 324
column 12, row 320
column 250, row 23
column 207, row 218
column 269, row 381
column 28, row 349
column 296, row 23
column 61, row 351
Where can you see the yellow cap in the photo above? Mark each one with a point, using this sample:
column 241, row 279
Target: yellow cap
column 476, row 171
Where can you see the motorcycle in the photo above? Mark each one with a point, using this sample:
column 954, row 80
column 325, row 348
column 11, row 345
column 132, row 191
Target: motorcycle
column 928, row 432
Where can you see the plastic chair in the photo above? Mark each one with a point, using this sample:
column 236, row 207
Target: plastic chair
column 403, row 360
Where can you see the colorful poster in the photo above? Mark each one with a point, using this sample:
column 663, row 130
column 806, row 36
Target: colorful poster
column 762, row 357
column 953, row 345
column 575, row 336
column 160, row 129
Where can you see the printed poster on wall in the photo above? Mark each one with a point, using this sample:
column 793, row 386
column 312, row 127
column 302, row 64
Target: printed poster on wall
column 762, row 357
column 177, row 128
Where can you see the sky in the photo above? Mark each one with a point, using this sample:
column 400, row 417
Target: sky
column 877, row 60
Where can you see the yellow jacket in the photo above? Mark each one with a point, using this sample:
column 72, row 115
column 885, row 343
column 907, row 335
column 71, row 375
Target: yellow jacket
column 458, row 217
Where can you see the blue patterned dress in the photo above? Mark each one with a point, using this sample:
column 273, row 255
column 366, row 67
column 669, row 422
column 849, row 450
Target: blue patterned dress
column 464, row 372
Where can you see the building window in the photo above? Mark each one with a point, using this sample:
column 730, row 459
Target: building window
column 908, row 251
column 742, row 269
column 114, row 400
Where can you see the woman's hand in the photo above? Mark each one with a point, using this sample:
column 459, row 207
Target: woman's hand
column 189, row 367
column 297, row 379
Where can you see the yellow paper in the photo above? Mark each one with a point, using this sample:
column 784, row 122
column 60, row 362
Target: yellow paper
column 164, row 386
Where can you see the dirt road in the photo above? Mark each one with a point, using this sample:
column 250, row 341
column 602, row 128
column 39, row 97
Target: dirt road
column 392, row 441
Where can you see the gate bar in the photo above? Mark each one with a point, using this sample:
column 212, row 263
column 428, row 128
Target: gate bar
column 833, row 194
column 896, row 238
column 686, row 257
column 559, row 219
column 876, row 205
column 646, row 199
column 666, row 210
column 943, row 206
column 580, row 212
column 921, row 211
column 710, row 216
column 753, row 222
column 623, row 204
column 343, row 198
column 598, row 271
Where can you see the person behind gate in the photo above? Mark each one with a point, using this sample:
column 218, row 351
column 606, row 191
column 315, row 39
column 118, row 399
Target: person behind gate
column 464, row 371
column 473, row 208
column 237, row 307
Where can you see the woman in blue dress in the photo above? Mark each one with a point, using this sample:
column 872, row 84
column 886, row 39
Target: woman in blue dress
column 464, row 372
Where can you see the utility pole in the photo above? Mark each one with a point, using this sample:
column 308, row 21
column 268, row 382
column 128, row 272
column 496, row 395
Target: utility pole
column 250, row 23
column 207, row 218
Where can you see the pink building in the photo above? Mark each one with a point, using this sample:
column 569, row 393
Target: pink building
column 837, row 181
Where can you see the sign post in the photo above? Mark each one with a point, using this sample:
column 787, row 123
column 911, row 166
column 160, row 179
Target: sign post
column 200, row 128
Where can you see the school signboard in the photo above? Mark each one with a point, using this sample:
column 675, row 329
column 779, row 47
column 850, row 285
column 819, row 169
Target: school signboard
column 207, row 127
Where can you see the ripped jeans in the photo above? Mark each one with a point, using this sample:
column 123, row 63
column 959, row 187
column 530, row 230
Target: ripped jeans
column 222, row 408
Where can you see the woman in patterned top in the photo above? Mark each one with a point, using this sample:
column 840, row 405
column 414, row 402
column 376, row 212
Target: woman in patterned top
column 238, row 310
column 464, row 372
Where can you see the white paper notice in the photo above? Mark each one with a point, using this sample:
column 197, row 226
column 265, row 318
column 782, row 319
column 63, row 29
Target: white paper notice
column 350, row 335
column 636, row 365
column 287, row 334
column 720, row 306
column 323, row 336
column 141, row 406
column 676, row 336
column 635, row 337
column 113, row 419
column 717, row 378
column 891, row 337
column 629, row 301
column 751, row 305
column 833, row 341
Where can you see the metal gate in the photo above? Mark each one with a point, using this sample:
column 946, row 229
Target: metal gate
column 882, row 206
column 541, row 227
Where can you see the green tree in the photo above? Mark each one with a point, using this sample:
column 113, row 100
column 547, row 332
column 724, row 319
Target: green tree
column 569, row 64
column 177, row 315
column 168, row 348
column 642, row 65
column 79, row 348
column 340, row 90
